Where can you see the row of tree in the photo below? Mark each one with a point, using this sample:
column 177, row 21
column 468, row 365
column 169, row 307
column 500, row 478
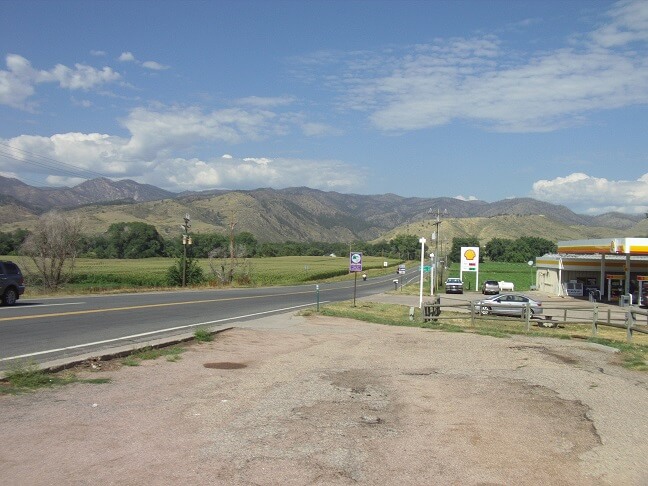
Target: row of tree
column 142, row 240
column 520, row 250
column 57, row 241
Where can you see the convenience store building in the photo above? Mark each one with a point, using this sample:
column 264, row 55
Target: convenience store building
column 611, row 270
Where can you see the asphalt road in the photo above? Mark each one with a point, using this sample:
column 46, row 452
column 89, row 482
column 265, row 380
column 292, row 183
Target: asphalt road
column 55, row 328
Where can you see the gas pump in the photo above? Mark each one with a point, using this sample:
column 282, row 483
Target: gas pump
column 615, row 287
column 642, row 291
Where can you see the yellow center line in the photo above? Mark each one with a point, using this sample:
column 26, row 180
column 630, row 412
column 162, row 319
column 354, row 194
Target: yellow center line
column 144, row 306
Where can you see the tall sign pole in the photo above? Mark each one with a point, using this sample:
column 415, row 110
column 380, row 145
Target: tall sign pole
column 355, row 266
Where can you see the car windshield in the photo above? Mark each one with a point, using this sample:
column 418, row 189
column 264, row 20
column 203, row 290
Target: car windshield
column 454, row 280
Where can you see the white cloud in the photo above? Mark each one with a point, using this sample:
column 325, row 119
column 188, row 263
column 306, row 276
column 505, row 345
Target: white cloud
column 127, row 57
column 92, row 152
column 249, row 173
column 18, row 81
column 491, row 83
column 82, row 76
column 152, row 65
column 466, row 198
column 156, row 162
column 629, row 23
column 98, row 53
column 584, row 193
column 319, row 129
column 168, row 128
column 155, row 66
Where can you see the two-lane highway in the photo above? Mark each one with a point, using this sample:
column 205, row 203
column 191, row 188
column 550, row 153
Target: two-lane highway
column 54, row 328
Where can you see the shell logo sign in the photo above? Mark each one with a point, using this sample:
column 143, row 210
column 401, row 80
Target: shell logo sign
column 469, row 258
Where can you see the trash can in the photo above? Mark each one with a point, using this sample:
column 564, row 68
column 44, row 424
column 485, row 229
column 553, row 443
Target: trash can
column 624, row 300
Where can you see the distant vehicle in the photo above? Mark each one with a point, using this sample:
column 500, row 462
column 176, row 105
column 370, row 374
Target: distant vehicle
column 11, row 283
column 490, row 287
column 453, row 285
column 509, row 304
column 401, row 269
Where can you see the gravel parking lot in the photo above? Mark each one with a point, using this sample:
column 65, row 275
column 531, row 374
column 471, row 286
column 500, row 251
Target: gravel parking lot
column 313, row 400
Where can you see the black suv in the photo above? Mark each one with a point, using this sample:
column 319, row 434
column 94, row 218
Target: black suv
column 11, row 283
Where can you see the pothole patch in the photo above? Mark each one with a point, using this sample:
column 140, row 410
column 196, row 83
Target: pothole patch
column 225, row 365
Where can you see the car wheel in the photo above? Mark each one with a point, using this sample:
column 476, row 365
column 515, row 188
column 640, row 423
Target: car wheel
column 10, row 297
column 484, row 311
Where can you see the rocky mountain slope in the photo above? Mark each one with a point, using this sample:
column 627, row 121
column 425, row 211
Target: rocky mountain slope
column 304, row 214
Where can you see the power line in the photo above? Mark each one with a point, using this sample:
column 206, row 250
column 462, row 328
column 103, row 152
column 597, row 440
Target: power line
column 48, row 163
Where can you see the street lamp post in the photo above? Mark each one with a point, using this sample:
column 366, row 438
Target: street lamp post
column 422, row 242
column 431, row 273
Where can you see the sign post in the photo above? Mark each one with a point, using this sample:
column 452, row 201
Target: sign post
column 422, row 242
column 355, row 266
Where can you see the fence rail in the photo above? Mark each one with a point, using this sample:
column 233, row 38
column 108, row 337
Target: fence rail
column 632, row 319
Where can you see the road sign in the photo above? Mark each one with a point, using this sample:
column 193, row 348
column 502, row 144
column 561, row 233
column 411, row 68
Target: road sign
column 355, row 261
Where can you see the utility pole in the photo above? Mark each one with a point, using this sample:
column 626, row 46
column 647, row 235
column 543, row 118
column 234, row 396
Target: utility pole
column 435, row 236
column 186, row 240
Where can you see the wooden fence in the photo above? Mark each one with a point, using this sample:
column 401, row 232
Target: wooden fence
column 632, row 319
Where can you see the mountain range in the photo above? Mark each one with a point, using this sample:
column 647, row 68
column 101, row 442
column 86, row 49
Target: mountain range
column 304, row 214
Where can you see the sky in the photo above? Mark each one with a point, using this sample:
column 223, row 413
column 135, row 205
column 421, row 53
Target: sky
column 483, row 99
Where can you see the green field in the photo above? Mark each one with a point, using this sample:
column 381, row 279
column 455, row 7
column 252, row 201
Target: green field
column 521, row 274
column 92, row 275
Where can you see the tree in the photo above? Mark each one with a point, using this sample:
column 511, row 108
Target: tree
column 406, row 246
column 133, row 240
column 194, row 273
column 497, row 248
column 229, row 263
column 52, row 248
column 10, row 242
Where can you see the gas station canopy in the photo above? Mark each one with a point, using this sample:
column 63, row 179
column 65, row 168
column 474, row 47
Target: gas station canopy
column 616, row 267
column 611, row 246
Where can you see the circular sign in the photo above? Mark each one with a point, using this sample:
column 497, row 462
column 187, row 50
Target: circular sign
column 356, row 258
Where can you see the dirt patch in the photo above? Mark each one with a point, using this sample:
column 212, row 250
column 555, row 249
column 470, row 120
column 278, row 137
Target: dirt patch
column 334, row 401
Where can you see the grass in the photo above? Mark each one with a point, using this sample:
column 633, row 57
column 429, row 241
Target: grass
column 521, row 274
column 105, row 275
column 632, row 355
column 203, row 335
column 26, row 377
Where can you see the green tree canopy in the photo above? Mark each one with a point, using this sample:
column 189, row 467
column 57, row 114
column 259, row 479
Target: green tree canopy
column 133, row 240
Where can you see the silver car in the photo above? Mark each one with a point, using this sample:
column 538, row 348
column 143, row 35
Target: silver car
column 509, row 304
column 490, row 287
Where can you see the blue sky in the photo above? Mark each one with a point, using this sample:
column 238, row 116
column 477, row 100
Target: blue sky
column 472, row 99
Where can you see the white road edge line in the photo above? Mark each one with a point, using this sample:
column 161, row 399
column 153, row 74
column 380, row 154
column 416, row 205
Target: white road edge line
column 38, row 306
column 77, row 346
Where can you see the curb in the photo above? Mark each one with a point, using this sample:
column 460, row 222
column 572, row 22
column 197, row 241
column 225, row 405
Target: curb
column 120, row 352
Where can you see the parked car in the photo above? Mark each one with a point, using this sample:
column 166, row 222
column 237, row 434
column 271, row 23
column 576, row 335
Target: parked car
column 490, row 287
column 453, row 285
column 509, row 304
column 12, row 283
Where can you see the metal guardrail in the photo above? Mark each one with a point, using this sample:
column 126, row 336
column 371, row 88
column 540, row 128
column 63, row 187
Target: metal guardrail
column 632, row 319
